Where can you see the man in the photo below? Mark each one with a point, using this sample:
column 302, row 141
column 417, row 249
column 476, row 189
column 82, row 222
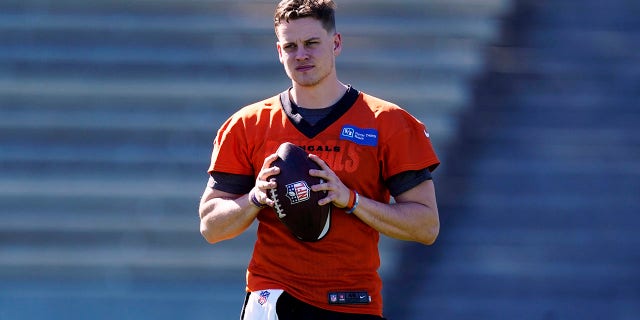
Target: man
column 364, row 146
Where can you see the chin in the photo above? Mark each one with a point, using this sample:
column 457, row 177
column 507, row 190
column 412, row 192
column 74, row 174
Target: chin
column 309, row 82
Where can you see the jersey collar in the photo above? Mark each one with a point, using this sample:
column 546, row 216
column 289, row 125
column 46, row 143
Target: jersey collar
column 337, row 110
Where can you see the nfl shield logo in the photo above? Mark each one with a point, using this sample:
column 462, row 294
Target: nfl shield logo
column 298, row 192
column 264, row 296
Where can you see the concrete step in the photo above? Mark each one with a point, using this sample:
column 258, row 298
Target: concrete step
column 123, row 295
column 532, row 298
column 615, row 15
column 117, row 63
column 106, row 223
column 575, row 138
column 495, row 206
column 598, row 75
column 158, row 188
column 195, row 29
column 549, row 37
column 77, row 161
column 568, row 63
column 140, row 147
column 431, row 90
column 261, row 8
column 96, row 88
column 527, row 261
column 432, row 102
column 119, row 242
column 524, row 217
column 556, row 118
column 571, row 101
column 159, row 119
column 120, row 206
column 126, row 258
column 69, row 141
column 214, row 89
column 551, row 187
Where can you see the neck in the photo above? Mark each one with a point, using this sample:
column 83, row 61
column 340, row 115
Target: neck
column 317, row 97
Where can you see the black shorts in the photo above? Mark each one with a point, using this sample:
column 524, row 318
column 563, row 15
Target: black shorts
column 290, row 308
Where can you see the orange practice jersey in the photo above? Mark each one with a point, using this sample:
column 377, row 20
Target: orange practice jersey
column 368, row 144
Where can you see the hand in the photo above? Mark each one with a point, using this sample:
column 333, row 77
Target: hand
column 337, row 192
column 262, row 186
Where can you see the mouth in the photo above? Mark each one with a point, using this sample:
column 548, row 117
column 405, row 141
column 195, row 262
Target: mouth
column 304, row 68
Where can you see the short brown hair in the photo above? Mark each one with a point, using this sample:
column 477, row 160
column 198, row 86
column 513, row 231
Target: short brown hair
column 322, row 10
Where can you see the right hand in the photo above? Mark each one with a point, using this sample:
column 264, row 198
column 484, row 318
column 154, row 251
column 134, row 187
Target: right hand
column 262, row 186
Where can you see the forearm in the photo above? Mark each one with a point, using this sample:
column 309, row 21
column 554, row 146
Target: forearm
column 224, row 215
column 413, row 216
column 225, row 218
column 411, row 221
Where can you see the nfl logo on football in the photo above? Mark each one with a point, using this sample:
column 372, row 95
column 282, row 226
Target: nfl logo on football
column 298, row 192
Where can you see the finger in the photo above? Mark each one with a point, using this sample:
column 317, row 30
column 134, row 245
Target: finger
column 263, row 185
column 268, row 160
column 261, row 196
column 265, row 173
column 264, row 198
column 323, row 165
column 269, row 202
column 319, row 174
column 326, row 200
column 321, row 187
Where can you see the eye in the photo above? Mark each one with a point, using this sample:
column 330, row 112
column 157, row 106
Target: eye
column 289, row 47
column 311, row 43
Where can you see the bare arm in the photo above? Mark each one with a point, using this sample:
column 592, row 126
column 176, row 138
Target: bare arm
column 413, row 217
column 225, row 215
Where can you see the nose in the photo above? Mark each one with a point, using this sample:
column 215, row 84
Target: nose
column 301, row 53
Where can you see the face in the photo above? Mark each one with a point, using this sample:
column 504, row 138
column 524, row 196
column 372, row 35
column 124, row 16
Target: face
column 307, row 51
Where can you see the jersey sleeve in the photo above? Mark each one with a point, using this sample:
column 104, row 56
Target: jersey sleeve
column 238, row 146
column 230, row 149
column 406, row 144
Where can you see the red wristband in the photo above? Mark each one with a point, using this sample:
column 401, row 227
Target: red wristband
column 352, row 200
column 355, row 203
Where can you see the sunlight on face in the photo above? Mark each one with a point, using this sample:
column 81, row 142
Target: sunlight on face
column 307, row 51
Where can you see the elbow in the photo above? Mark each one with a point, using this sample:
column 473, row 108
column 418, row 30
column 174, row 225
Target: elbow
column 431, row 236
column 429, row 233
column 208, row 234
column 213, row 235
column 204, row 229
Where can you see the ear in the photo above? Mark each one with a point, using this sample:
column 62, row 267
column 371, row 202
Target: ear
column 279, row 48
column 337, row 44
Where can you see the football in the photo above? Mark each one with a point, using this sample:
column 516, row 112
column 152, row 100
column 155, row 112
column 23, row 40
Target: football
column 296, row 205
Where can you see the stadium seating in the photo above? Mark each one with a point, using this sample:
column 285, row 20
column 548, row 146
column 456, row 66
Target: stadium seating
column 540, row 195
column 107, row 113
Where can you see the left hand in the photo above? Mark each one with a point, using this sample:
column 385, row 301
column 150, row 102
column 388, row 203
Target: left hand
column 337, row 192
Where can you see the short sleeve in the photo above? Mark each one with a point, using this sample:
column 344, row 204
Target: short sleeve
column 230, row 149
column 406, row 144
